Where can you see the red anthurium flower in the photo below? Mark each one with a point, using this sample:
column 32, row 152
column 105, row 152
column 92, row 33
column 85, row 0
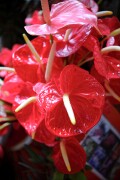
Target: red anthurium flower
column 106, row 65
column 97, row 76
column 112, row 22
column 63, row 14
column 29, row 116
column 11, row 87
column 6, row 58
column 86, row 97
column 77, row 36
column 75, row 153
column 103, row 27
column 6, row 55
column 113, row 87
column 27, row 67
column 42, row 134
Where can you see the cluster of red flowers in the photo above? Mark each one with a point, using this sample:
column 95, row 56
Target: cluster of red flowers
column 55, row 98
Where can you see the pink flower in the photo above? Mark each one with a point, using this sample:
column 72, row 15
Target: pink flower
column 64, row 14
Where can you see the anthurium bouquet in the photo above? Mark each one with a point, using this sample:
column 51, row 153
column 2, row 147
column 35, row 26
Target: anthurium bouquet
column 55, row 85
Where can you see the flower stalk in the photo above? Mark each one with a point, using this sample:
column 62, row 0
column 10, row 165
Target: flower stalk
column 50, row 62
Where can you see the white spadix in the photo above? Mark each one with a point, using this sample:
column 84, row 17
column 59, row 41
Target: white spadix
column 65, row 156
column 69, row 109
column 25, row 103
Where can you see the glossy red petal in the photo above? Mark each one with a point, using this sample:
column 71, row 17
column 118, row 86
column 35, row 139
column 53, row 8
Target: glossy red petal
column 11, row 87
column 102, row 26
column 76, row 156
column 86, row 96
column 76, row 81
column 30, row 116
column 58, row 122
column 63, row 14
column 97, row 76
column 6, row 55
column 113, row 83
column 42, row 135
column 106, row 65
column 112, row 22
column 25, row 63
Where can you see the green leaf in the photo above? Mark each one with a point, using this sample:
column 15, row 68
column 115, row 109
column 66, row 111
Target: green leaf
column 36, row 158
column 78, row 176
column 88, row 167
column 58, row 176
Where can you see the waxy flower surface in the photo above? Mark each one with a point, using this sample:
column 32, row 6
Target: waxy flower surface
column 76, row 38
column 86, row 97
column 29, row 116
column 54, row 87
column 62, row 15
column 31, row 69
column 106, row 65
column 11, row 87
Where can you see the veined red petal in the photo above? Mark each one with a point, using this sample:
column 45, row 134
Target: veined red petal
column 86, row 97
column 11, row 87
column 25, row 63
column 30, row 116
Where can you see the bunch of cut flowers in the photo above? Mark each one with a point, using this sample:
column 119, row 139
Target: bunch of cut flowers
column 54, row 87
